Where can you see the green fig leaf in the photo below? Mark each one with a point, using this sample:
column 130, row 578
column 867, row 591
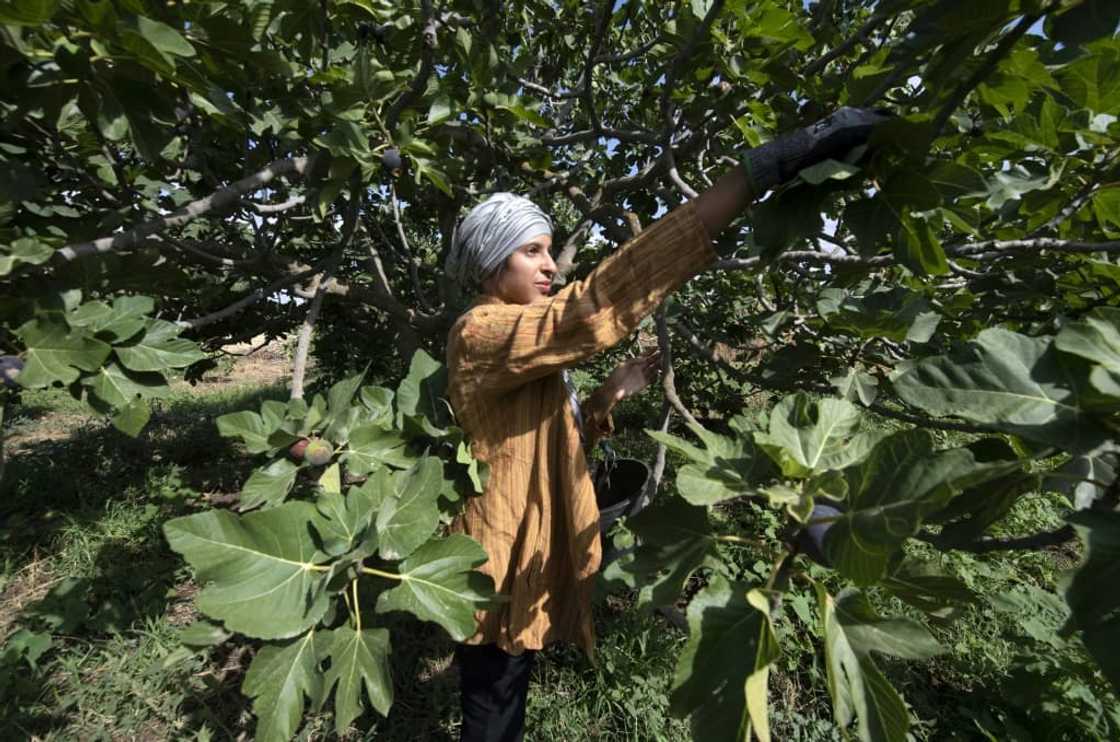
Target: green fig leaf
column 158, row 349
column 722, row 673
column 411, row 515
column 359, row 659
column 858, row 688
column 438, row 583
column 371, row 447
column 808, row 436
column 260, row 572
column 56, row 353
column 1091, row 589
column 268, row 485
column 280, row 679
column 1007, row 382
column 674, row 539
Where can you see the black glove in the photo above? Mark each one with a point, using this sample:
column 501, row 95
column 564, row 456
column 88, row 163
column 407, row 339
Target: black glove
column 832, row 137
column 10, row 366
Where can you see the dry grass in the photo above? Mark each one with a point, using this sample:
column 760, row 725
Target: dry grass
column 29, row 585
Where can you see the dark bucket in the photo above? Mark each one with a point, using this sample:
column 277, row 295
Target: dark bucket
column 618, row 487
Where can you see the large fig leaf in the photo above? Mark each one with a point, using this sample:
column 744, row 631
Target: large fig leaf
column 358, row 659
column 722, row 673
column 859, row 690
column 258, row 571
column 891, row 492
column 113, row 387
column 866, row 631
column 897, row 313
column 1008, row 382
column 341, row 415
column 278, row 679
column 268, row 485
column 1096, row 338
column 411, row 515
column 420, row 402
column 127, row 316
column 723, row 469
column 371, row 446
column 158, row 349
column 1091, row 590
column 808, row 436
column 251, row 428
column 674, row 539
column 348, row 515
column 438, row 583
column 928, row 589
column 55, row 353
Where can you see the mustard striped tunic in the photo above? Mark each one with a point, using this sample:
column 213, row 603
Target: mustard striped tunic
column 537, row 519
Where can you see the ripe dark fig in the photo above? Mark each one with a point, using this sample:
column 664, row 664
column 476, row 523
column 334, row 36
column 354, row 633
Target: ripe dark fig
column 10, row 366
column 391, row 161
column 318, row 452
column 811, row 540
column 298, row 448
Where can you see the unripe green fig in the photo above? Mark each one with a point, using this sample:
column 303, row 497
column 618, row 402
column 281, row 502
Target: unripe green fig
column 298, row 449
column 318, row 452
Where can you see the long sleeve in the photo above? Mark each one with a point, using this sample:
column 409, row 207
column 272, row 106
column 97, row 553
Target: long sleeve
column 502, row 346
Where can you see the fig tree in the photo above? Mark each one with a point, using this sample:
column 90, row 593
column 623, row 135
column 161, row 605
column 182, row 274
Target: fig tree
column 318, row 452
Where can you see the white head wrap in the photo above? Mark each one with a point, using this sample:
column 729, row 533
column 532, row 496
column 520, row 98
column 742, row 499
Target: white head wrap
column 490, row 232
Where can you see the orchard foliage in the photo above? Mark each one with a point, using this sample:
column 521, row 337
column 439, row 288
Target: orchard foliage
column 320, row 552
column 177, row 176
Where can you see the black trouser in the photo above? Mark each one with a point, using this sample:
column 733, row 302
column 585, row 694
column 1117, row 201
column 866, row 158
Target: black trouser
column 493, row 686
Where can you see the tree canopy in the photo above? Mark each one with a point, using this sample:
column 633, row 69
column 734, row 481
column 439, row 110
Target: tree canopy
column 176, row 176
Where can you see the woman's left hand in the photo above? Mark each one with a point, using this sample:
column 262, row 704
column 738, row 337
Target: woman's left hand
column 632, row 376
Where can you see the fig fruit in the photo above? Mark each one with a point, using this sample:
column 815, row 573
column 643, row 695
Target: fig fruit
column 318, row 452
column 391, row 161
column 811, row 540
column 298, row 448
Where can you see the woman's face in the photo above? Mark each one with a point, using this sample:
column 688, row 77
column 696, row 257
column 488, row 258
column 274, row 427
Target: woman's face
column 527, row 274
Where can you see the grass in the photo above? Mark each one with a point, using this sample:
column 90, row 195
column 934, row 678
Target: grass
column 83, row 562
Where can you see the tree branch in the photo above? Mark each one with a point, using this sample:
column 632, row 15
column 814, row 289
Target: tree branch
column 318, row 286
column 864, row 31
column 427, row 65
column 983, row 71
column 632, row 54
column 220, row 199
column 247, row 301
column 1038, row 243
column 413, row 261
column 668, row 376
column 291, row 203
column 1062, row 535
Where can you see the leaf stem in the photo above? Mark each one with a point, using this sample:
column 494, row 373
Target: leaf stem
column 738, row 540
column 357, row 606
column 379, row 573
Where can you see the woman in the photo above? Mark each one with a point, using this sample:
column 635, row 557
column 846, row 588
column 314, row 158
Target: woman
column 506, row 356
